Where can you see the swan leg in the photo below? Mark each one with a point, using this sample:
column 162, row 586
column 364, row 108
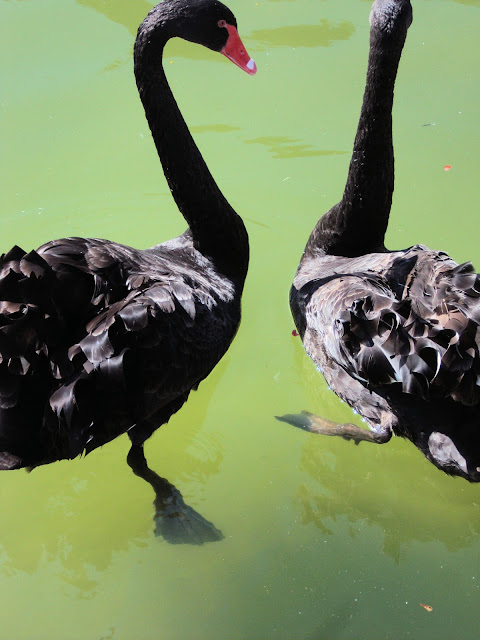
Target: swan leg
column 175, row 521
column 377, row 411
column 348, row 431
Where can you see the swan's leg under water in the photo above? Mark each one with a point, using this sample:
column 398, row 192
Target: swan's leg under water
column 175, row 521
column 376, row 410
column 346, row 430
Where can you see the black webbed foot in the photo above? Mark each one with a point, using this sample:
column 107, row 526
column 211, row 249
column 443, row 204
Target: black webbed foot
column 175, row 521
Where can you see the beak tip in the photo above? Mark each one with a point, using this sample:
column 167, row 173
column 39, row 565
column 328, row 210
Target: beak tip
column 251, row 67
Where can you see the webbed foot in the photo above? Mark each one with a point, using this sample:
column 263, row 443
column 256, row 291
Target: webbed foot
column 175, row 521
column 348, row 431
column 178, row 523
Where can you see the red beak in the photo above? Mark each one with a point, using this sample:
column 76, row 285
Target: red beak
column 236, row 52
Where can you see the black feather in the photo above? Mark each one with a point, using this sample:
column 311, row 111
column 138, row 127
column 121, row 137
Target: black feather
column 395, row 333
column 98, row 338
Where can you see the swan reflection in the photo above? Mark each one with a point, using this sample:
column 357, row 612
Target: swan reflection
column 283, row 147
column 304, row 35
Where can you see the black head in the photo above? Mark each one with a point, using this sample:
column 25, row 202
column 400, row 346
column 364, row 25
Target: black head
column 199, row 21
column 391, row 16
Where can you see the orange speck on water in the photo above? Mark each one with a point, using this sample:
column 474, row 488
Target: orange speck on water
column 447, row 167
column 427, row 607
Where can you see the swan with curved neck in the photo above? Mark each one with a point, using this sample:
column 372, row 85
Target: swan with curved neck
column 395, row 333
column 216, row 229
column 98, row 338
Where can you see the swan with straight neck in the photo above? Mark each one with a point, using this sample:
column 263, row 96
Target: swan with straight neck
column 97, row 338
column 395, row 333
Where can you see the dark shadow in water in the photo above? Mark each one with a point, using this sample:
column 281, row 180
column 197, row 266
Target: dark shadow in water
column 304, row 35
column 283, row 147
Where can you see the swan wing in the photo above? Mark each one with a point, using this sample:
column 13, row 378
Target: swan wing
column 108, row 335
column 407, row 317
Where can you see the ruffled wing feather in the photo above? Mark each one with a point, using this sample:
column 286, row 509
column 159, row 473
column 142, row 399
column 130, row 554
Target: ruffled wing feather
column 96, row 337
column 407, row 317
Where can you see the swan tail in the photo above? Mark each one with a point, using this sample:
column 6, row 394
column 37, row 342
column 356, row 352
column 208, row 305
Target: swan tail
column 29, row 332
column 28, row 320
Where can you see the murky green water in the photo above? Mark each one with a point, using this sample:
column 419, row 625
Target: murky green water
column 322, row 539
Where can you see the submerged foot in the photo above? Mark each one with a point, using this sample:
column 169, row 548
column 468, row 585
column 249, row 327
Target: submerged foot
column 346, row 430
column 178, row 523
column 175, row 521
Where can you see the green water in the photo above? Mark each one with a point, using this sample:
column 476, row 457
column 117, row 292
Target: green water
column 322, row 539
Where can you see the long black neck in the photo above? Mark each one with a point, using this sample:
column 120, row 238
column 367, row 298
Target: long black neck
column 217, row 231
column 357, row 224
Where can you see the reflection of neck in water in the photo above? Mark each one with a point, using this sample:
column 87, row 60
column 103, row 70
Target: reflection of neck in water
column 124, row 12
column 304, row 35
column 282, row 147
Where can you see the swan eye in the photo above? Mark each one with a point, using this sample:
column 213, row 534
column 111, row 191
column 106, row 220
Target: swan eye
column 222, row 23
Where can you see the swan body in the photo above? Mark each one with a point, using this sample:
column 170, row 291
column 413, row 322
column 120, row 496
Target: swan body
column 395, row 333
column 149, row 326
column 97, row 338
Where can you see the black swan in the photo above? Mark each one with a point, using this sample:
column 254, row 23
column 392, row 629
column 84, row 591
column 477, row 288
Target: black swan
column 395, row 333
column 97, row 338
